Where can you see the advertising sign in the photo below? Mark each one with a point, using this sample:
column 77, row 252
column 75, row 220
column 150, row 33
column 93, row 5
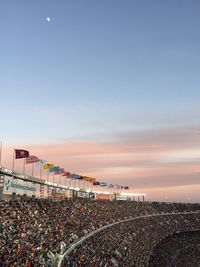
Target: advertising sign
column 103, row 196
column 82, row 194
column 59, row 193
column 118, row 197
column 18, row 186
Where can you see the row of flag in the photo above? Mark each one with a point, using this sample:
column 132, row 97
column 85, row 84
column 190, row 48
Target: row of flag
column 51, row 168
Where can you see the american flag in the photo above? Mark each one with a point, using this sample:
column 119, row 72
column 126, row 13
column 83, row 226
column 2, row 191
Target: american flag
column 32, row 159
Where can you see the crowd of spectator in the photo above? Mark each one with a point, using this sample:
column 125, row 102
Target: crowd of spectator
column 33, row 231
column 181, row 249
column 131, row 243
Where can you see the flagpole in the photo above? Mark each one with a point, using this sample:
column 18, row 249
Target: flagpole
column 24, row 166
column 0, row 153
column 92, row 186
column 40, row 171
column 47, row 175
column 32, row 168
column 13, row 163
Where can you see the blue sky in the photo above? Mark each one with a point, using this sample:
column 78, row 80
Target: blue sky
column 98, row 70
column 99, row 62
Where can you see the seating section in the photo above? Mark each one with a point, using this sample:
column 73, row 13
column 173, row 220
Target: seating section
column 132, row 243
column 182, row 249
column 31, row 231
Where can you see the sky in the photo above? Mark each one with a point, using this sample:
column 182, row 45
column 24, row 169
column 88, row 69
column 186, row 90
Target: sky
column 105, row 88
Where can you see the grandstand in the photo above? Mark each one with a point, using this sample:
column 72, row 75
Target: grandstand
column 85, row 232
column 89, row 228
column 180, row 249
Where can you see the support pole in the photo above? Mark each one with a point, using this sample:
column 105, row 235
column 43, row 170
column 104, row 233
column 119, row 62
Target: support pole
column 0, row 152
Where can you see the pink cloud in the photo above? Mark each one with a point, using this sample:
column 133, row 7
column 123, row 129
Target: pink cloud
column 159, row 158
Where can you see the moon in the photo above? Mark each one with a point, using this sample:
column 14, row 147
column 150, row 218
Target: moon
column 48, row 19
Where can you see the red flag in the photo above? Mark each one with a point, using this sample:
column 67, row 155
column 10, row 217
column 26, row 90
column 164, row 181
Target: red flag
column 66, row 174
column 96, row 183
column 60, row 171
column 20, row 153
column 32, row 159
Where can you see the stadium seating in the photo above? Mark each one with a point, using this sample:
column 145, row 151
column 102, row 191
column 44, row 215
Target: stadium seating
column 31, row 231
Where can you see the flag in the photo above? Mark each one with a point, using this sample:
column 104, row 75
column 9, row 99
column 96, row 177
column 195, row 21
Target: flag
column 96, row 183
column 20, row 153
column 75, row 176
column 103, row 184
column 66, row 174
column 32, row 159
column 41, row 162
column 47, row 166
column 54, row 169
column 60, row 171
column 89, row 179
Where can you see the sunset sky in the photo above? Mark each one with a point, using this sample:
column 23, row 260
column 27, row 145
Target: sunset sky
column 105, row 88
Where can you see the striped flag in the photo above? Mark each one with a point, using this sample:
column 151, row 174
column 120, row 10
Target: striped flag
column 32, row 159
column 60, row 171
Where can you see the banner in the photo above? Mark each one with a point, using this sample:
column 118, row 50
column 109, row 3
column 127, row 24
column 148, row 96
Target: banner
column 81, row 194
column 119, row 197
column 103, row 197
column 18, row 186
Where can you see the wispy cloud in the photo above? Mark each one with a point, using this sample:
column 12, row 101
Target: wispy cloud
column 156, row 158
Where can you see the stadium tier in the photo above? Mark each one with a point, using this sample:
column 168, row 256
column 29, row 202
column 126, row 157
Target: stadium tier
column 43, row 232
column 181, row 249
